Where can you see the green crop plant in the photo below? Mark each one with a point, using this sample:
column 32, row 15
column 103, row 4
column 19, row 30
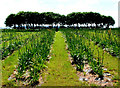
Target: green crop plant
column 33, row 57
column 9, row 47
column 79, row 45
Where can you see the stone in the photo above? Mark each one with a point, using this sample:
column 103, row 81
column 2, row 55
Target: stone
column 49, row 57
column 85, row 79
column 81, row 79
column 105, row 69
column 89, row 70
column 15, row 72
column 103, row 48
column 85, row 70
column 10, row 78
column 105, row 74
column 107, row 79
column 108, row 74
column 97, row 79
column 26, row 74
column 75, row 67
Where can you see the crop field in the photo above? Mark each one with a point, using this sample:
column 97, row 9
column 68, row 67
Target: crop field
column 49, row 58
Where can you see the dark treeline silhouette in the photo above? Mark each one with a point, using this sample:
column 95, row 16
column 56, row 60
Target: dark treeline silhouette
column 35, row 20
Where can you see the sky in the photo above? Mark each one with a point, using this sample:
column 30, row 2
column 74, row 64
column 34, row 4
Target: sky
column 104, row 7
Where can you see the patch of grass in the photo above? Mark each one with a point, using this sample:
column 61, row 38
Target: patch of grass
column 116, row 77
column 0, row 61
column 60, row 71
column 8, row 66
column 10, row 83
column 93, row 85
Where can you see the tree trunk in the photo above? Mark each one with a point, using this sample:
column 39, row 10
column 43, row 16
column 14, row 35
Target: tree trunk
column 33, row 25
column 14, row 26
column 96, row 26
column 52, row 25
column 77, row 25
column 87, row 25
column 108, row 25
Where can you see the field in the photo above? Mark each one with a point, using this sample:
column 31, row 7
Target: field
column 49, row 58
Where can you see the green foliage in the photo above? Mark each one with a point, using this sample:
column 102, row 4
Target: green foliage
column 80, row 51
column 35, row 54
column 28, row 18
column 9, row 45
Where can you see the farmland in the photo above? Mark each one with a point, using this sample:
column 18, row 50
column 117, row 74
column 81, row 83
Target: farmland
column 48, row 58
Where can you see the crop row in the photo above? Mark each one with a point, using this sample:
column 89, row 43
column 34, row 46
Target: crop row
column 15, row 44
column 32, row 58
column 82, row 53
column 108, row 40
column 6, row 36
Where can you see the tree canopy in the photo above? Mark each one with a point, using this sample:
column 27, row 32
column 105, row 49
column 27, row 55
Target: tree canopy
column 80, row 19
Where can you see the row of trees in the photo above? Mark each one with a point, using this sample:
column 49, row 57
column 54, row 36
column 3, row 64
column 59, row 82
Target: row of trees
column 37, row 20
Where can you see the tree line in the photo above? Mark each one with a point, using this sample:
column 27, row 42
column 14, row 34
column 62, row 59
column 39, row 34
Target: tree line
column 34, row 20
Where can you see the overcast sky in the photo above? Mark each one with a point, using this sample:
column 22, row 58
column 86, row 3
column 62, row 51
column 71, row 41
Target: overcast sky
column 104, row 7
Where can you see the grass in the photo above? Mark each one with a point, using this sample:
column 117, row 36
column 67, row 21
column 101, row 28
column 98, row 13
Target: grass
column 60, row 71
column 0, row 62
column 8, row 66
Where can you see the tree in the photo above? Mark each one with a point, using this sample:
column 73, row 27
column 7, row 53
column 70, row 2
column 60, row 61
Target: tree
column 110, row 21
column 107, row 21
column 63, row 20
column 49, row 18
column 20, row 18
column 10, row 20
column 56, row 18
column 79, row 18
column 34, row 18
column 97, row 19
column 71, row 18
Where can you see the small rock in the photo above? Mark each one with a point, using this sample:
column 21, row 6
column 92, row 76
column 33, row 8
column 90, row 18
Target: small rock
column 103, row 48
column 89, row 70
column 85, row 79
column 97, row 79
column 85, row 70
column 81, row 79
column 105, row 82
column 105, row 74
column 107, row 79
column 10, row 78
column 49, row 57
column 75, row 67
column 108, row 84
column 107, row 49
column 15, row 72
column 105, row 69
column 26, row 74
column 108, row 74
